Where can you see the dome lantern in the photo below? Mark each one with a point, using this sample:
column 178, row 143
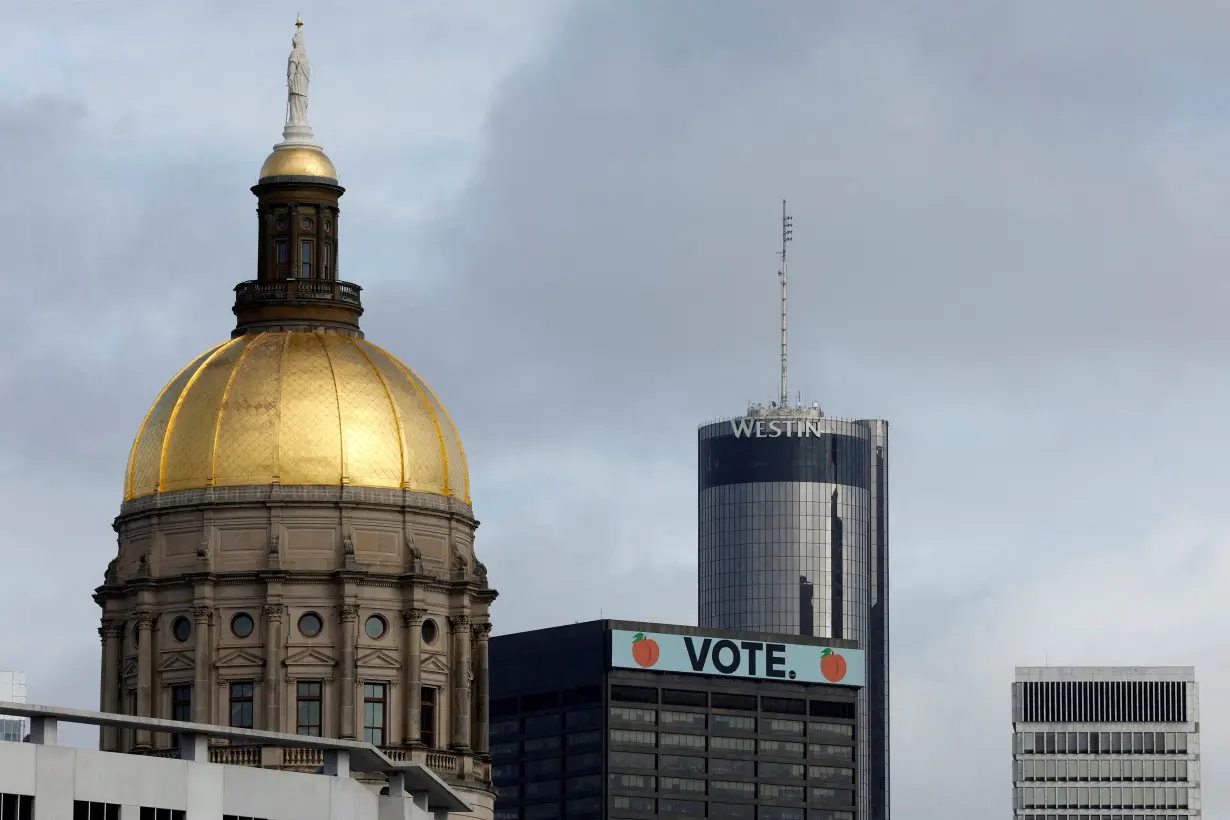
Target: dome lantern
column 297, row 285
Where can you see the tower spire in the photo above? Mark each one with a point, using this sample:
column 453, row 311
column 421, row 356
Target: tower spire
column 787, row 236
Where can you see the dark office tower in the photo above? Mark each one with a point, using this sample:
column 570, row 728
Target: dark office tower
column 618, row 720
column 794, row 540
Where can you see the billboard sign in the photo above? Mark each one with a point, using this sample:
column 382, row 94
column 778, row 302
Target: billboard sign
column 701, row 654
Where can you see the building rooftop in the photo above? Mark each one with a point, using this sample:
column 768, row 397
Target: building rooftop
column 1109, row 673
column 341, row 756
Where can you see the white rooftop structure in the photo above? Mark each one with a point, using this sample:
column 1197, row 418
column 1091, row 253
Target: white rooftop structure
column 61, row 783
column 1106, row 743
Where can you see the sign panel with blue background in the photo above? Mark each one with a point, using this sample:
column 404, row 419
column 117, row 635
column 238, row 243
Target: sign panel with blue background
column 699, row 654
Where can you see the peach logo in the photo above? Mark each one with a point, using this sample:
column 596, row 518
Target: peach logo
column 645, row 651
column 832, row 666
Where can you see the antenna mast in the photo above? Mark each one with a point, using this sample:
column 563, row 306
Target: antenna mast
column 787, row 236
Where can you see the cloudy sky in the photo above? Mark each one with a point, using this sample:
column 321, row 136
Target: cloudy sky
column 1009, row 241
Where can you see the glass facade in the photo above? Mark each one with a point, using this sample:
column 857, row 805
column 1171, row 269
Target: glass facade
column 793, row 539
column 13, row 690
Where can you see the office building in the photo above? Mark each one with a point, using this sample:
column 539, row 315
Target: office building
column 41, row 780
column 793, row 539
column 1106, row 743
column 296, row 539
column 615, row 719
column 13, row 690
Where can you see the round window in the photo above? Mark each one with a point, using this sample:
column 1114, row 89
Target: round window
column 181, row 629
column 281, row 223
column 310, row 624
column 430, row 632
column 242, row 625
column 306, row 224
column 376, row 627
column 328, row 227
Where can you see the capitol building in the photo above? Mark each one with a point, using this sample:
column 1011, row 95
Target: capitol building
column 296, row 539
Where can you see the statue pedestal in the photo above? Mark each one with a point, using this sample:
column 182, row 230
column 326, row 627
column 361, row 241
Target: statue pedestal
column 296, row 135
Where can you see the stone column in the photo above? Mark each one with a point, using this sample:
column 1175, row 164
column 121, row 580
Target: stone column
column 202, row 659
column 145, row 672
column 411, row 674
column 461, row 682
column 349, row 617
column 482, row 694
column 112, row 634
column 272, row 718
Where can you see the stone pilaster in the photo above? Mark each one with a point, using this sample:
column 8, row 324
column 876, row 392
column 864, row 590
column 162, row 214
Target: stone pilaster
column 203, row 661
column 145, row 672
column 411, row 674
column 460, row 625
column 272, row 717
column 348, row 615
column 482, row 696
column 112, row 634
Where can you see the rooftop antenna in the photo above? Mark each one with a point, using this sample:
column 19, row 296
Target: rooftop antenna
column 787, row 236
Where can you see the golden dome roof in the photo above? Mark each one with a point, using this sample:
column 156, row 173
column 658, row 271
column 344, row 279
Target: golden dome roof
column 297, row 408
column 298, row 161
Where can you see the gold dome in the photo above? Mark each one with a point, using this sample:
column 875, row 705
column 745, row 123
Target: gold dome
column 298, row 161
column 297, row 408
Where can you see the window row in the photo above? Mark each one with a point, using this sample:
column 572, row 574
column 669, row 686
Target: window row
column 549, row 724
column 1114, row 743
column 19, row 807
column 1101, row 797
column 733, row 723
column 1083, row 816
column 592, row 807
column 730, row 788
column 1165, row 770
column 546, row 745
column 310, row 624
column 309, row 709
column 87, row 810
column 307, row 263
column 740, row 767
column 739, row 745
column 842, row 710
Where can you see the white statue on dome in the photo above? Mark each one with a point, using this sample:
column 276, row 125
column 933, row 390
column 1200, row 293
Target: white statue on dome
column 298, row 74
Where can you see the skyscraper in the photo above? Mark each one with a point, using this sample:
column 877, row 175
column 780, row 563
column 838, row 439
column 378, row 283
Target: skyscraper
column 1106, row 742
column 793, row 539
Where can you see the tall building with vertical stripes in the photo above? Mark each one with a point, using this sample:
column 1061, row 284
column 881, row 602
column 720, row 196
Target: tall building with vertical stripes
column 793, row 540
column 1098, row 743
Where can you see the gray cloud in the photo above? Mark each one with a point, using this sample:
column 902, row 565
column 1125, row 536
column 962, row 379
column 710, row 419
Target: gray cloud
column 1007, row 242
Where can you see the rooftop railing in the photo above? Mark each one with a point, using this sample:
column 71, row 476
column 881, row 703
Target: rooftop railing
column 338, row 757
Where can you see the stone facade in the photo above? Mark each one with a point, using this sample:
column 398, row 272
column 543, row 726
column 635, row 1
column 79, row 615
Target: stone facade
column 223, row 586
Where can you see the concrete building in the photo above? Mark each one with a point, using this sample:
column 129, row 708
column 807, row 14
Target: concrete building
column 296, row 540
column 615, row 719
column 1103, row 743
column 793, row 539
column 13, row 690
column 42, row 780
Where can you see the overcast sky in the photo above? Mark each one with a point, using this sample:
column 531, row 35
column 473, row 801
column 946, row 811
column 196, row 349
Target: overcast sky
column 1010, row 241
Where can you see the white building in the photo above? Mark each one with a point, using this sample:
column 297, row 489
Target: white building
column 13, row 690
column 42, row 780
column 1103, row 743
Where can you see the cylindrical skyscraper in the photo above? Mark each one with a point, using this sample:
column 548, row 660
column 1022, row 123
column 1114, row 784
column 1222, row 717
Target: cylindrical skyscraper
column 794, row 539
